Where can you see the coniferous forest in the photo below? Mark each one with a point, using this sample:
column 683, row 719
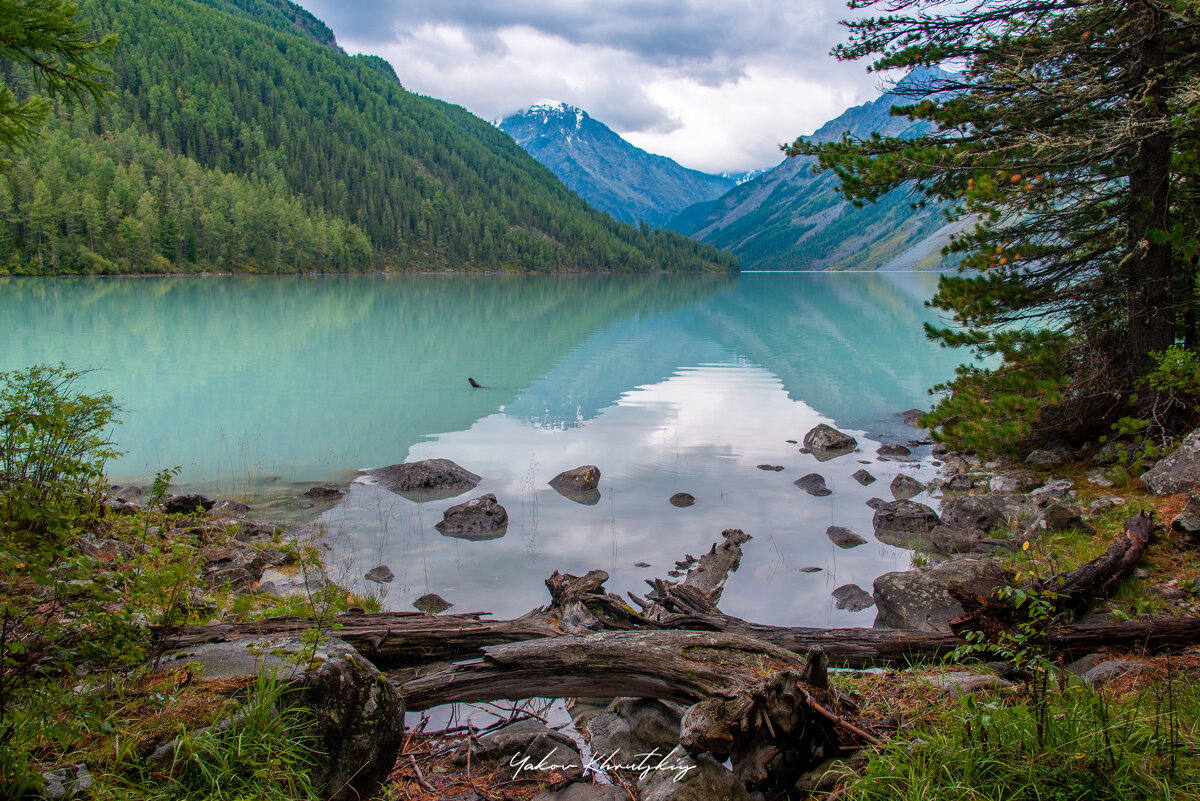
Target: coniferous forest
column 238, row 137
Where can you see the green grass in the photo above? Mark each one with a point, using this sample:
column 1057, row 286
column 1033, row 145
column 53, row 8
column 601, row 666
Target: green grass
column 266, row 757
column 1092, row 746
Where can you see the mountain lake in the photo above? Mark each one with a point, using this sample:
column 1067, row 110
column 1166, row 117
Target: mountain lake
column 262, row 387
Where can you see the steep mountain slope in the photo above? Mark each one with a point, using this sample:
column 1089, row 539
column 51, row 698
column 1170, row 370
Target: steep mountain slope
column 240, row 137
column 792, row 217
column 608, row 172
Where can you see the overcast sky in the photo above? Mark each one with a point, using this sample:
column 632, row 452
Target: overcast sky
column 714, row 84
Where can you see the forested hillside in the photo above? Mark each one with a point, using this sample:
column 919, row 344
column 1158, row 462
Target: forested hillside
column 239, row 137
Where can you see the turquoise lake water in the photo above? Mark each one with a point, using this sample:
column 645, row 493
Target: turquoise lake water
column 260, row 387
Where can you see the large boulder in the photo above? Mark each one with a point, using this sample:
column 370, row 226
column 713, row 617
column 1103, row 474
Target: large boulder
column 905, row 487
column 826, row 442
column 980, row 512
column 357, row 721
column 691, row 778
column 481, row 518
column 431, row 479
column 905, row 524
column 631, row 727
column 1178, row 472
column 919, row 600
column 527, row 745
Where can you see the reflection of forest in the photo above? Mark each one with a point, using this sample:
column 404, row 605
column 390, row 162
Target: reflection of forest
column 317, row 367
column 851, row 346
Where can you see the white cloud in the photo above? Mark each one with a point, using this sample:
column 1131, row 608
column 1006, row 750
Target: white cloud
column 715, row 84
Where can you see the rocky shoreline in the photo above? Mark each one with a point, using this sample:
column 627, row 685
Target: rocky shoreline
column 988, row 513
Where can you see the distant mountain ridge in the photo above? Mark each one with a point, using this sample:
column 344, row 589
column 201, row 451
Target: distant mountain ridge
column 792, row 217
column 607, row 171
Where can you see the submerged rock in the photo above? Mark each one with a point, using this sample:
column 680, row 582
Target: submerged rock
column 683, row 499
column 863, row 477
column 912, row 418
column 813, row 484
column 324, row 492
column 771, row 467
column 852, row 598
column 431, row 479
column 844, row 537
column 482, row 517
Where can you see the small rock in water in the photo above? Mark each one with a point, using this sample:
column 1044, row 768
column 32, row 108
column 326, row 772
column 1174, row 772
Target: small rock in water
column 641, row 564
column 813, row 484
column 892, row 449
column 324, row 492
column 683, row 499
column 792, row 442
column 912, row 418
column 381, row 574
column 810, row 569
column 863, row 477
column 774, row 467
column 844, row 537
column 826, row 442
column 904, row 487
column 432, row 604
column 579, row 480
column 853, row 598
column 482, row 515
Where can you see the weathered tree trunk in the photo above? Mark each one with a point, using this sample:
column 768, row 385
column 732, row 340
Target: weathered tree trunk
column 762, row 707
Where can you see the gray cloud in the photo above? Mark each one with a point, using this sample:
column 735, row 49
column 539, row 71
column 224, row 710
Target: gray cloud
column 713, row 37
column 714, row 83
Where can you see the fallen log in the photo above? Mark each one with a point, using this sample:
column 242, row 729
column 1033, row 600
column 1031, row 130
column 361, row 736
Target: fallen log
column 1065, row 592
column 764, row 708
column 1095, row 579
column 396, row 640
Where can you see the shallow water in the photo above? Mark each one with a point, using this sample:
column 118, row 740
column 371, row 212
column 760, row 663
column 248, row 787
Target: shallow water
column 261, row 387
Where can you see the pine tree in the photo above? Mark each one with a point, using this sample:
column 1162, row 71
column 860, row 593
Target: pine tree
column 1070, row 136
column 47, row 37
